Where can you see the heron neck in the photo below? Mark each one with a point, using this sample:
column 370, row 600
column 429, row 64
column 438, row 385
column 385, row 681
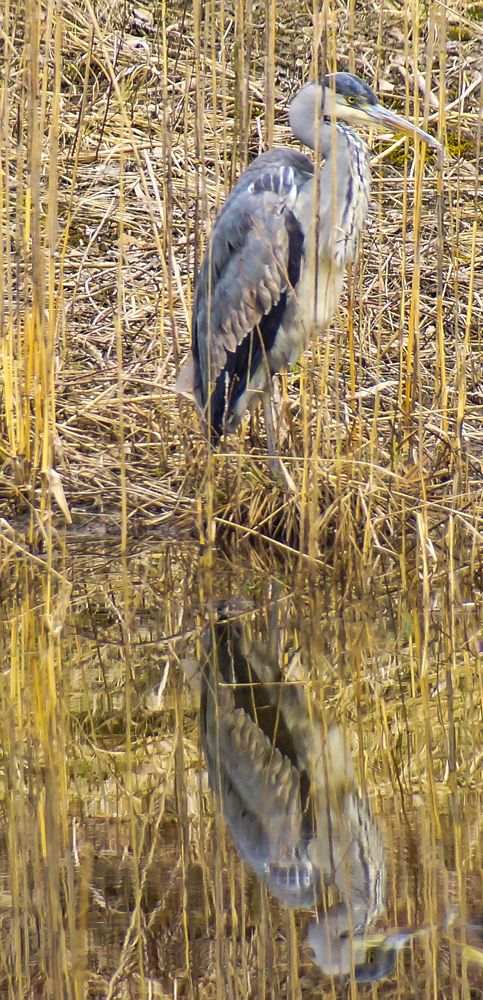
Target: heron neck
column 344, row 180
column 338, row 140
column 341, row 189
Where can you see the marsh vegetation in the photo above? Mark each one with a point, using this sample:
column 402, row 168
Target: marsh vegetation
column 123, row 127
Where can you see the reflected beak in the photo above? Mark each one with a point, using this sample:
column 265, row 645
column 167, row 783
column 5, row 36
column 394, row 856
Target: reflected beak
column 384, row 118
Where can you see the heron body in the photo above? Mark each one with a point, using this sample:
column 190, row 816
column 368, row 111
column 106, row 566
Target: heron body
column 274, row 267
column 289, row 795
column 288, row 792
column 245, row 295
column 265, row 284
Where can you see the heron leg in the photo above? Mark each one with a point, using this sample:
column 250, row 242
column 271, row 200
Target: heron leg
column 276, row 466
column 269, row 423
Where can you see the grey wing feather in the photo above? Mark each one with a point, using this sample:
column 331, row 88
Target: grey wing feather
column 260, row 794
column 247, row 284
column 246, row 268
column 240, row 757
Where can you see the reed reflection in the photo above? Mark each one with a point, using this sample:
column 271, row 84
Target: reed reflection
column 290, row 798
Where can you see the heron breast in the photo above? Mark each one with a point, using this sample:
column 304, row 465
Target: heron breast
column 317, row 295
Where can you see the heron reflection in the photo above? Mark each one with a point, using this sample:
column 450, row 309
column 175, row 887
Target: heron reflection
column 290, row 798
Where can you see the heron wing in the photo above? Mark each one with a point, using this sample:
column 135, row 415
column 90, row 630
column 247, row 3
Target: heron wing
column 253, row 260
column 251, row 761
column 253, row 765
column 258, row 786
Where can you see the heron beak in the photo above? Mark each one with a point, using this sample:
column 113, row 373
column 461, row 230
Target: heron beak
column 384, row 118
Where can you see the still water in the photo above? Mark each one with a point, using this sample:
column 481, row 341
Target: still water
column 232, row 774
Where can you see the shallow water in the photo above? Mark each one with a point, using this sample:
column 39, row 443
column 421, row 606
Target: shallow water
column 118, row 875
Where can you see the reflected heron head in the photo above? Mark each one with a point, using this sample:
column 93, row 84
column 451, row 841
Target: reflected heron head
column 343, row 947
column 340, row 951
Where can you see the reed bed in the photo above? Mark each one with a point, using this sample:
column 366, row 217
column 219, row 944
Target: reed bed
column 122, row 129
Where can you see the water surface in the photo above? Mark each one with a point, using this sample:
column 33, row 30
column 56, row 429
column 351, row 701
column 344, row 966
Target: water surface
column 118, row 874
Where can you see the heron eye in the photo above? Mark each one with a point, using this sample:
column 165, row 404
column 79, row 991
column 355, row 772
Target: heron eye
column 350, row 99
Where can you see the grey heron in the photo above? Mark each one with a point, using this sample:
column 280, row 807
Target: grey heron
column 290, row 799
column 275, row 262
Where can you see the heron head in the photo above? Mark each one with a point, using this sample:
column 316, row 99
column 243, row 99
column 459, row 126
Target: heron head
column 345, row 96
column 340, row 951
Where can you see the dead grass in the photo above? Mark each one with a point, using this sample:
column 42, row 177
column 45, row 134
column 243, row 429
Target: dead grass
column 134, row 128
